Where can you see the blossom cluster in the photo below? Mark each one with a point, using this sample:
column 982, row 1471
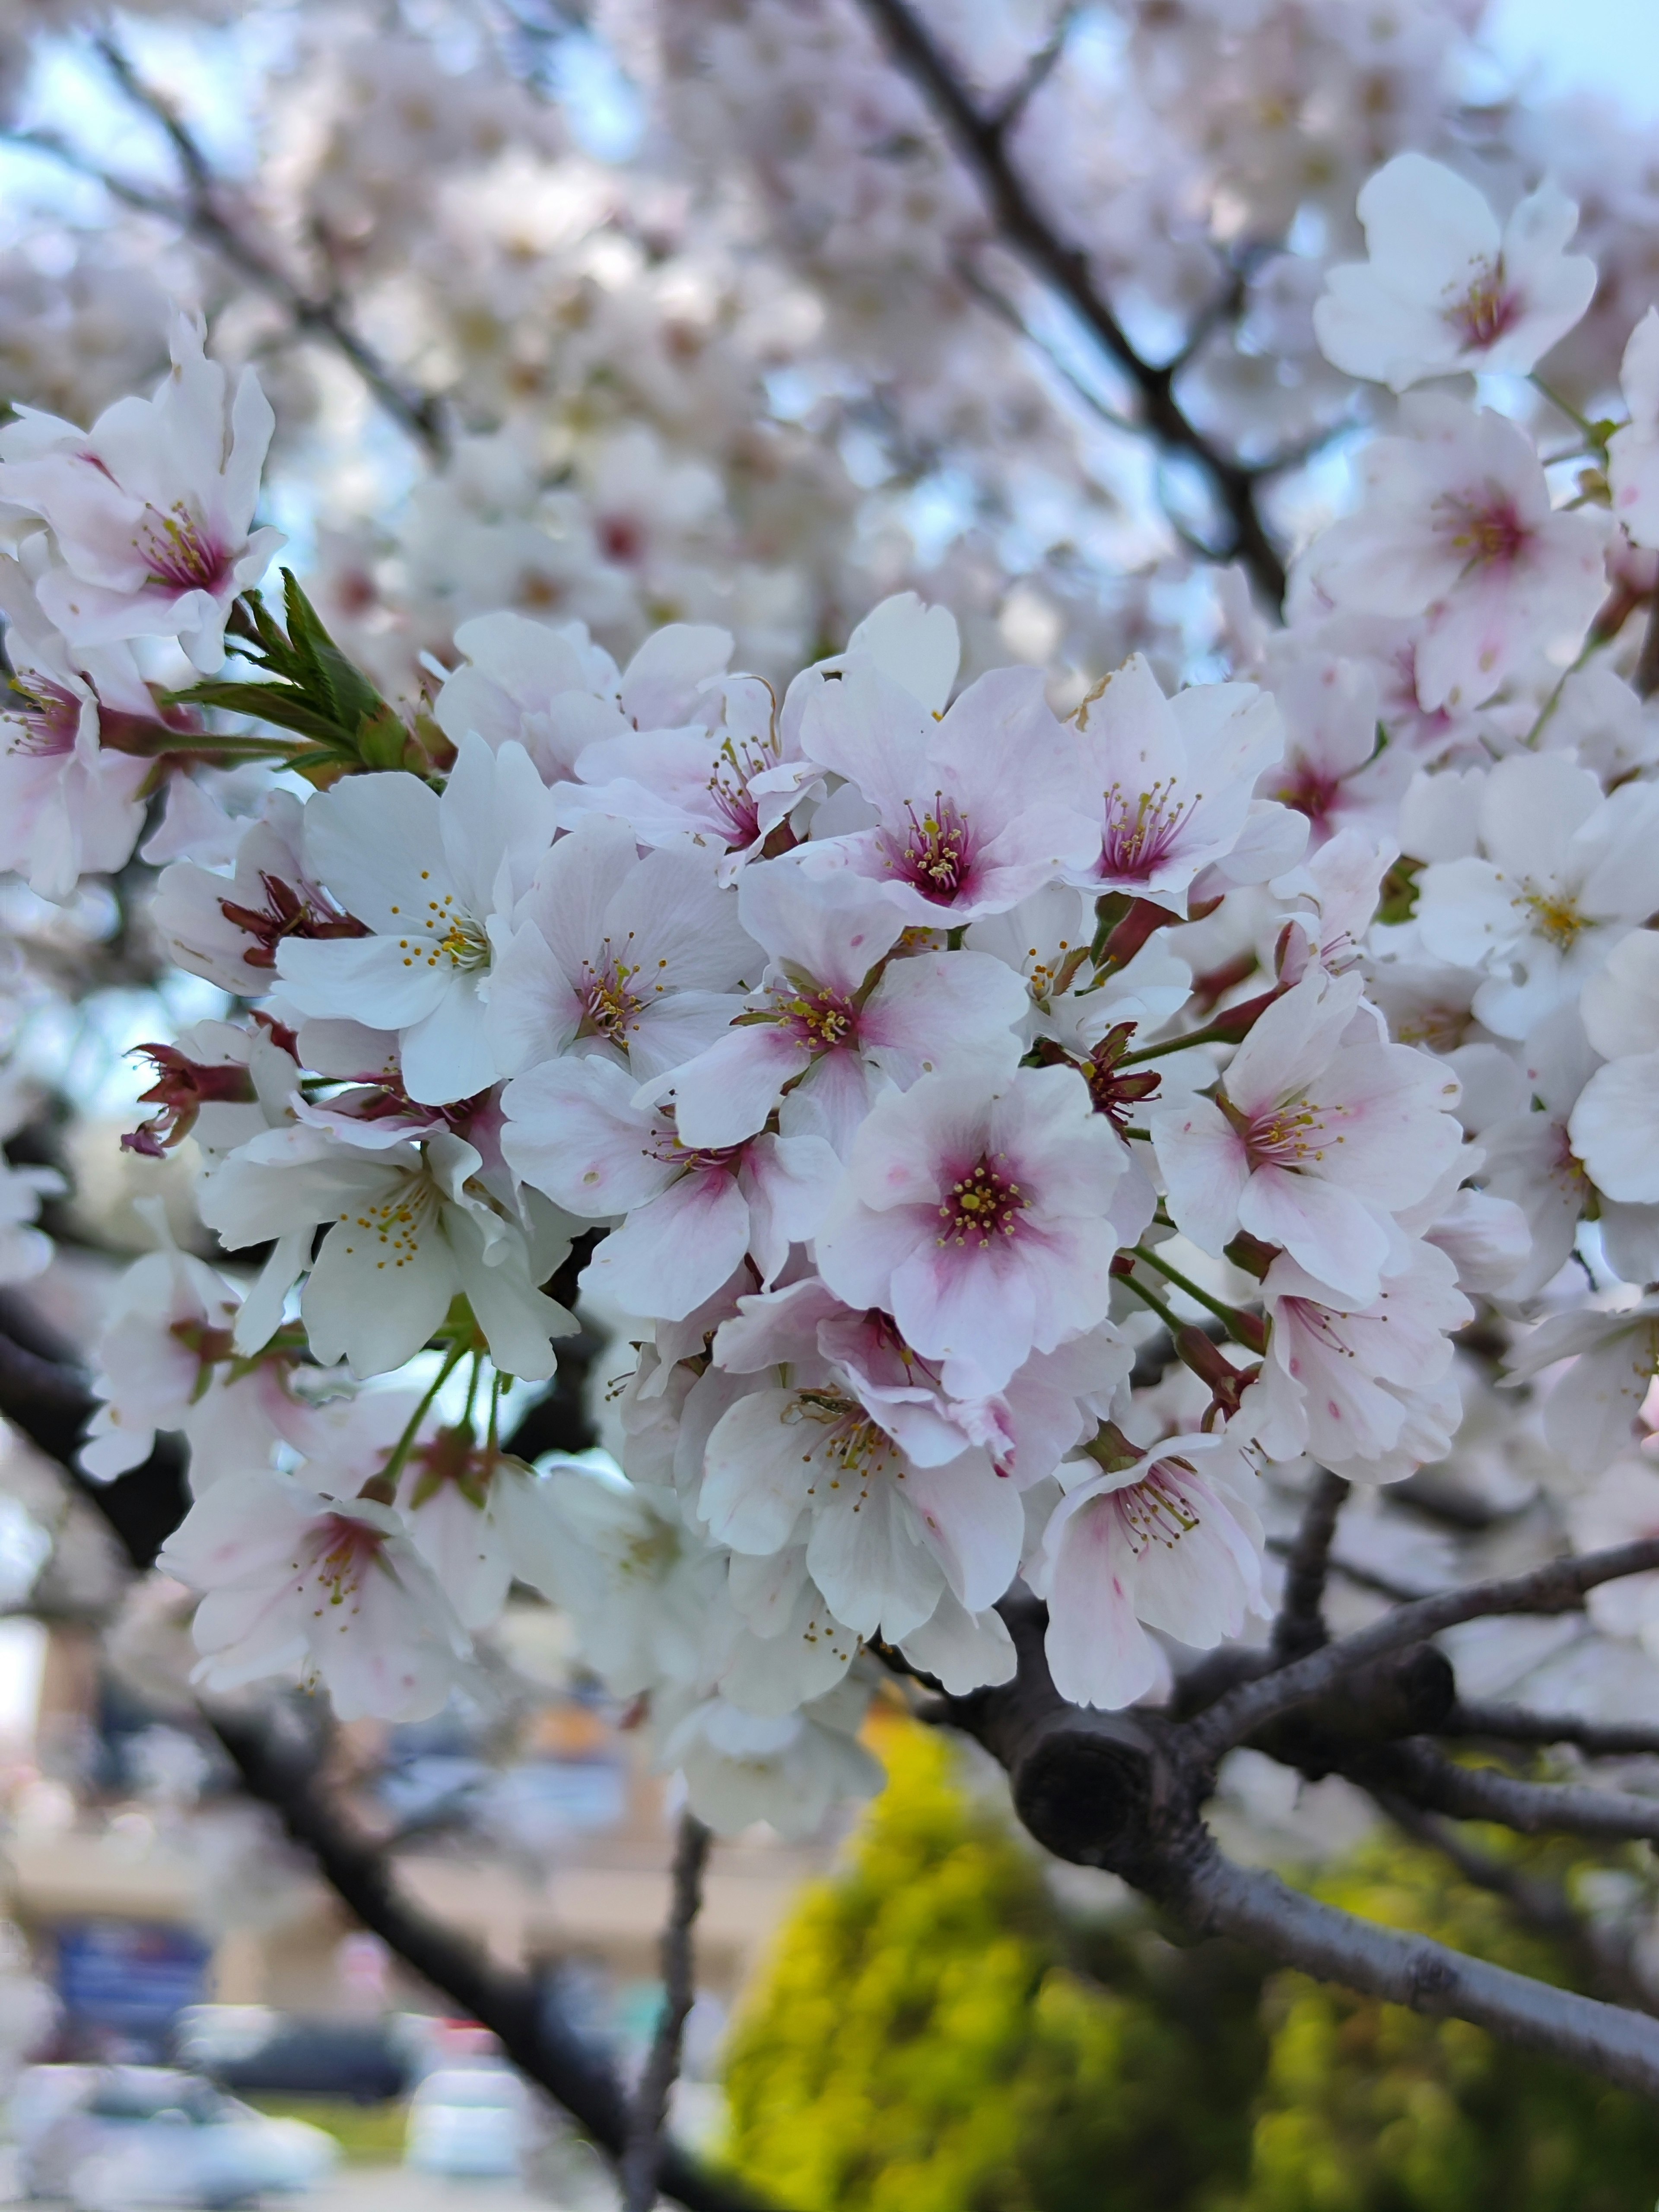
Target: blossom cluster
column 1017, row 1125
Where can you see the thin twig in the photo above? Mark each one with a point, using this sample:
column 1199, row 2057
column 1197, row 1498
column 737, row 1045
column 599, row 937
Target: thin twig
column 980, row 141
column 1646, row 679
column 1558, row 1587
column 643, row 2154
column 1300, row 1626
column 1514, row 1724
column 1440, row 1785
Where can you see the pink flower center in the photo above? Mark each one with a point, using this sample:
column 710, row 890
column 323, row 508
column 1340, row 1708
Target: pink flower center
column 1310, row 790
column 1486, row 310
column 853, row 1445
column 982, row 1204
column 1156, row 1509
column 343, row 1549
column 738, row 760
column 1491, row 535
column 821, row 1020
column 181, row 554
column 1142, row 832
column 936, row 853
column 611, row 1005
column 1294, row 1135
column 46, row 716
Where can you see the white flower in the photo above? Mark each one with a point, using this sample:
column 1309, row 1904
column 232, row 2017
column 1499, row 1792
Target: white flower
column 742, row 1767
column 151, row 510
column 230, row 928
column 480, row 1520
column 1622, row 1507
column 1590, row 1413
column 409, row 1228
column 294, row 1580
column 1321, row 1130
column 640, row 961
column 1561, row 876
column 1444, row 288
column 435, row 879
column 1171, row 1542
column 1456, row 526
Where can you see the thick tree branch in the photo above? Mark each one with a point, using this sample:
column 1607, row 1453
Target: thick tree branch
column 1300, row 1626
column 642, row 2155
column 1557, row 1587
column 981, row 141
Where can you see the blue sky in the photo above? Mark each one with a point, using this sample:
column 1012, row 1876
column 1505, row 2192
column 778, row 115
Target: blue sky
column 1608, row 46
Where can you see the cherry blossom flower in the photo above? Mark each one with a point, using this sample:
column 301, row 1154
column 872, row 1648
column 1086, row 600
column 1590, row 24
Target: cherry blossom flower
column 409, row 1228
column 640, row 961
column 69, row 806
column 229, row 929
column 151, row 510
column 1168, row 782
column 548, row 688
column 741, row 1767
column 435, row 879
column 1321, row 1130
column 972, row 813
column 1633, row 451
column 1445, row 289
column 574, row 1131
column 977, row 1211
column 820, row 1029
column 1334, row 770
column 1615, row 1120
column 1356, row 1385
column 335, row 1589
column 1456, row 526
column 1621, row 1507
column 480, row 1520
column 1591, row 1412
column 1171, row 1542
column 1561, row 876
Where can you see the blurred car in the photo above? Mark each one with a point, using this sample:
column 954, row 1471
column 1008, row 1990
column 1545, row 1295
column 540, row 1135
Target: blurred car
column 363, row 2060
column 104, row 2138
column 469, row 2120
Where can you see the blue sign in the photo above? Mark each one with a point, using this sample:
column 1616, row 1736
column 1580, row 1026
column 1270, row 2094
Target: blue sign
column 122, row 1974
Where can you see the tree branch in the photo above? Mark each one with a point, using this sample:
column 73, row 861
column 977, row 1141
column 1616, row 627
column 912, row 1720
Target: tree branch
column 1514, row 1724
column 1300, row 1626
column 1223, row 1899
column 641, row 2162
column 981, row 141
column 1419, row 1773
column 1557, row 1587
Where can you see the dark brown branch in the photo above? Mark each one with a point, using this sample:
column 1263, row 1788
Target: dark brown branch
column 509, row 2005
column 1557, row 1587
column 1300, row 1626
column 643, row 2156
column 981, row 142
column 200, row 217
column 1514, row 1724
column 1419, row 1773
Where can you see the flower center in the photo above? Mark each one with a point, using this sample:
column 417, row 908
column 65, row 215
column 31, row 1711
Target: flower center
column 937, row 851
column 1555, row 916
column 179, row 553
column 341, row 1549
column 1486, row 310
column 448, row 934
column 305, row 911
column 1491, row 535
column 1292, row 1135
column 855, row 1446
column 395, row 1224
column 982, row 1204
column 46, row 716
column 1156, row 1509
column 819, row 1019
column 738, row 761
column 610, row 1008
column 1141, row 832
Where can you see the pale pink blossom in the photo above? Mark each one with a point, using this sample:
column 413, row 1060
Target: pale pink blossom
column 331, row 1589
column 1456, row 526
column 151, row 511
column 1594, row 1407
column 977, row 1211
column 821, row 1028
column 1171, row 1542
column 1445, row 287
column 1633, row 451
column 1321, row 1130
column 638, row 961
column 574, row 1131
